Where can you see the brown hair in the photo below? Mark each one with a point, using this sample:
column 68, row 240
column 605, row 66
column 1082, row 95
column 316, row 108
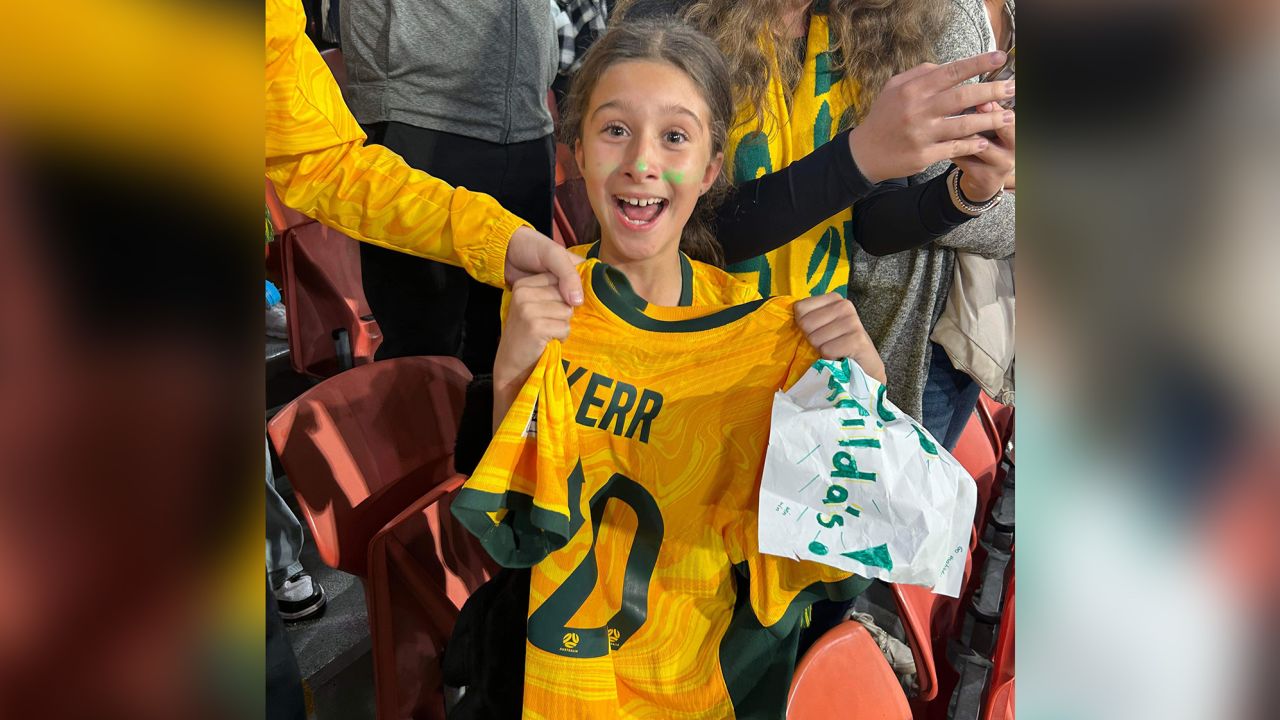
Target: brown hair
column 675, row 43
column 872, row 40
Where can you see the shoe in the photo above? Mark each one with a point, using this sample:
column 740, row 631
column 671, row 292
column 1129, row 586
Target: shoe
column 299, row 598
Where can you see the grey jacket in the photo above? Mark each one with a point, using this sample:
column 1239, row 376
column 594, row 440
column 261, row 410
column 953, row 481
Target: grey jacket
column 899, row 297
column 478, row 68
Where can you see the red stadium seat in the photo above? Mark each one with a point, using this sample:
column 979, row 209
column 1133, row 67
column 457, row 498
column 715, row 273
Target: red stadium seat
column 337, row 65
column 370, row 456
column 422, row 567
column 361, row 447
column 573, row 222
column 283, row 218
column 1001, row 417
column 1000, row 700
column 917, row 607
column 844, row 675
column 1001, row 705
column 979, row 453
column 323, row 291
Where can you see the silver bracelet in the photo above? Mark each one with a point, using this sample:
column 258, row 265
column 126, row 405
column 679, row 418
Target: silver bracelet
column 964, row 203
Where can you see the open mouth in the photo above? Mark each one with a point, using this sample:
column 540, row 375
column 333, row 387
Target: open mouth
column 640, row 212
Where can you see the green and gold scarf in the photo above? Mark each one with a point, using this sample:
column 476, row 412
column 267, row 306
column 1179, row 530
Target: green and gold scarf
column 818, row 261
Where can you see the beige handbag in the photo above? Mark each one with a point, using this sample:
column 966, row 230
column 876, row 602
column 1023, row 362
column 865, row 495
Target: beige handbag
column 977, row 326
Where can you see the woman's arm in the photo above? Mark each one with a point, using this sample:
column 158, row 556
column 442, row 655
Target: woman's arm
column 765, row 214
column 991, row 234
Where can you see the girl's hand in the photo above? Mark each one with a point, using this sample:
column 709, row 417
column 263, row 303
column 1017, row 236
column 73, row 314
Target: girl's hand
column 537, row 314
column 916, row 120
column 833, row 328
column 988, row 171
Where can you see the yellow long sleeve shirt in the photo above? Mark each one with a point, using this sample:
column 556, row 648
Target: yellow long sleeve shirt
column 320, row 166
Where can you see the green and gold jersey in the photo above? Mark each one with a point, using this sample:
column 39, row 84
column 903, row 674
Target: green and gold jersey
column 626, row 475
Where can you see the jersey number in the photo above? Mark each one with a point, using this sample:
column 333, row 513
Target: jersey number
column 548, row 625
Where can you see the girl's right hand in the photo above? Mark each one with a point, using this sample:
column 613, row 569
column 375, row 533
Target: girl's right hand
column 536, row 315
column 916, row 120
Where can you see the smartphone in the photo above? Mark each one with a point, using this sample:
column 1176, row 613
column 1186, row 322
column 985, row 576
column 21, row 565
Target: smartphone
column 1004, row 72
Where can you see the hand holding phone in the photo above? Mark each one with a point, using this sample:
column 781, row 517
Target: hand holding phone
column 1004, row 72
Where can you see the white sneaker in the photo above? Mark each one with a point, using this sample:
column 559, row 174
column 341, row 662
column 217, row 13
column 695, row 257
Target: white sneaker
column 299, row 598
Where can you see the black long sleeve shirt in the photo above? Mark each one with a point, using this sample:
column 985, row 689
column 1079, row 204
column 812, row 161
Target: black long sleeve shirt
column 888, row 217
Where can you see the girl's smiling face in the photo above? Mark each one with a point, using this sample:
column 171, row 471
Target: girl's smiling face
column 645, row 154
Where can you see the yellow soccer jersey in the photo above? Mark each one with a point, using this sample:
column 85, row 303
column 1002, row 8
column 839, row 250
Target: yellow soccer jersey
column 626, row 475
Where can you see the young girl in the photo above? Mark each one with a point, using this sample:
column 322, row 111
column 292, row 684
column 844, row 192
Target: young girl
column 648, row 118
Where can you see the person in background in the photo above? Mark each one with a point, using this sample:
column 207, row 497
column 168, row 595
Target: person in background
column 458, row 88
column 578, row 23
column 900, row 296
column 298, row 596
column 318, row 162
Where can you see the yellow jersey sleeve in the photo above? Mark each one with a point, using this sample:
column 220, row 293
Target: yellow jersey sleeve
column 320, row 166
column 524, row 500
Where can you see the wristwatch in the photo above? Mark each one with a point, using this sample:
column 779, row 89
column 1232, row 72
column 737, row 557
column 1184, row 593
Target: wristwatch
column 965, row 204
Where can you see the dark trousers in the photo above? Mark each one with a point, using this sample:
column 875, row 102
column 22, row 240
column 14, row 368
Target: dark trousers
column 950, row 396
column 425, row 307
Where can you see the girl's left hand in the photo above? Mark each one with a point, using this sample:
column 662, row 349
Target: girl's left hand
column 991, row 170
column 832, row 326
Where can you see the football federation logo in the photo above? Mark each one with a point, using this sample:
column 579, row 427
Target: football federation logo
column 569, row 641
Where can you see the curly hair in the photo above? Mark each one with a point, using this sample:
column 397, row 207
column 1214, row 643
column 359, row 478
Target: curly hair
column 676, row 43
column 873, row 40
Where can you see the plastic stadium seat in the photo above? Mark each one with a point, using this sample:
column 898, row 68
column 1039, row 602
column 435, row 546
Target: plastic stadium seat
column 422, row 567
column 929, row 621
column 370, row 456
column 979, row 453
column 844, row 675
column 573, row 220
column 337, row 65
column 1000, row 700
column 917, row 607
column 324, row 294
column 363, row 446
column 561, row 228
column 1001, row 417
column 283, row 218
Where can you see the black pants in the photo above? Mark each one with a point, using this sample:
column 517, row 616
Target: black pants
column 425, row 307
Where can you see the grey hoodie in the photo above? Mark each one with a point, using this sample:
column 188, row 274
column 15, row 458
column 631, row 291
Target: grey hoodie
column 478, row 68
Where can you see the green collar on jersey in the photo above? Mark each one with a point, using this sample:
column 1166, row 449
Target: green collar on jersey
column 686, row 276
column 611, row 286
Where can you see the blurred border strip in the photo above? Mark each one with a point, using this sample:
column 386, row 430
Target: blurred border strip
column 160, row 82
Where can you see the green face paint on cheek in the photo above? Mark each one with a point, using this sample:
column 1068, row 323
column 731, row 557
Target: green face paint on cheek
column 674, row 177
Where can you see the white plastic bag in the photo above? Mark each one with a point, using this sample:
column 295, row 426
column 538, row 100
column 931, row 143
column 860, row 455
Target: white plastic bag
column 852, row 482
